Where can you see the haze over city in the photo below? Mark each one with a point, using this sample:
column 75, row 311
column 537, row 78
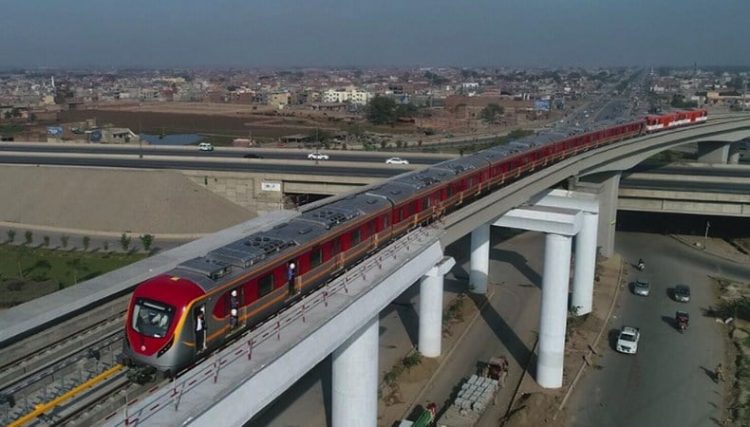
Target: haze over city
column 93, row 33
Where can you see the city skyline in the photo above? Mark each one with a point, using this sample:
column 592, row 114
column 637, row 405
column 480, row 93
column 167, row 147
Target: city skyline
column 336, row 33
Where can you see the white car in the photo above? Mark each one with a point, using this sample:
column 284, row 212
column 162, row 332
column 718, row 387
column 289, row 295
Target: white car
column 396, row 161
column 317, row 156
column 641, row 287
column 627, row 341
column 205, row 146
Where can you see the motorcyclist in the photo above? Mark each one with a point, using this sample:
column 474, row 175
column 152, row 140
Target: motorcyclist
column 641, row 264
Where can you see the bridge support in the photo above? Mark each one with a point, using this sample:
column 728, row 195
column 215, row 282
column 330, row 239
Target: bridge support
column 734, row 153
column 355, row 379
column 480, row 259
column 431, row 308
column 606, row 186
column 552, row 319
column 713, row 152
column 582, row 295
column 560, row 225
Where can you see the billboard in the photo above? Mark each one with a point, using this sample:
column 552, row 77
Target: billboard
column 541, row 105
column 56, row 131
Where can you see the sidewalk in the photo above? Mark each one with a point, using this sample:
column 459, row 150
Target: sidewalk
column 714, row 246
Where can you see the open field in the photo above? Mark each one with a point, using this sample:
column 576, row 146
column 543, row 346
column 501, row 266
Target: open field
column 31, row 272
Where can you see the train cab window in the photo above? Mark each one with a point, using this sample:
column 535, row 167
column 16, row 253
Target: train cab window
column 151, row 318
column 265, row 285
column 356, row 236
column 316, row 257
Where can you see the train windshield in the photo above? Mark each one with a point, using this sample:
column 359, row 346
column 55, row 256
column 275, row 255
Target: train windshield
column 151, row 318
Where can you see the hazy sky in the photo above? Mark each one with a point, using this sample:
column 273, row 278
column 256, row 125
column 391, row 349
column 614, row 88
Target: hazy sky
column 373, row 32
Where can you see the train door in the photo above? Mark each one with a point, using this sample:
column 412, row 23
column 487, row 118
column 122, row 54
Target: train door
column 200, row 328
column 292, row 267
column 235, row 304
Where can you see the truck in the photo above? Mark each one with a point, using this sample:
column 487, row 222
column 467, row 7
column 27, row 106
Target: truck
column 477, row 392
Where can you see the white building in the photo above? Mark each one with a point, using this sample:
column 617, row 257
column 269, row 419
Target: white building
column 349, row 94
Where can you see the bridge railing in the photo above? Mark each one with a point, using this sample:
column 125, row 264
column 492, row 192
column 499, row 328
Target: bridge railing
column 241, row 351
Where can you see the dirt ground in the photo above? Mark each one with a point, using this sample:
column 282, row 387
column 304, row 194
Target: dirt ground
column 534, row 406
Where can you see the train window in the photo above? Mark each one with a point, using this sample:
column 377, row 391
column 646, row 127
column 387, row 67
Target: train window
column 450, row 191
column 371, row 228
column 426, row 202
column 335, row 246
column 356, row 237
column 265, row 285
column 151, row 318
column 316, row 257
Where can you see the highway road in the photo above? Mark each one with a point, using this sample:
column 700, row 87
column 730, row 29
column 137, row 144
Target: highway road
column 704, row 187
column 192, row 151
column 668, row 382
column 248, row 166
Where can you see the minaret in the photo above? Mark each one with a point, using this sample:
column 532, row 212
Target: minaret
column 53, row 81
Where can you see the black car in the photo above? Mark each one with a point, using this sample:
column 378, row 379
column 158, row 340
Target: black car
column 681, row 293
column 252, row 156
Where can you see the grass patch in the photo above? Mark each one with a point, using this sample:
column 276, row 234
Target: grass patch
column 27, row 273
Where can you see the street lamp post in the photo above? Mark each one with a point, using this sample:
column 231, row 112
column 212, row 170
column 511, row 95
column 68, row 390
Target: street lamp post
column 705, row 236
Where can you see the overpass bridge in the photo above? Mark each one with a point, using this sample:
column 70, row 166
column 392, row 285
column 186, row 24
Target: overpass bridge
column 344, row 314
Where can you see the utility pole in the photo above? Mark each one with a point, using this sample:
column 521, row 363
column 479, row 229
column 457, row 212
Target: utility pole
column 705, row 236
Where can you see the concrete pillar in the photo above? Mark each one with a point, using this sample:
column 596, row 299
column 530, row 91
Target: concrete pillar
column 713, row 152
column 431, row 308
column 552, row 322
column 354, row 387
column 734, row 153
column 608, row 214
column 480, row 259
column 606, row 186
column 585, row 265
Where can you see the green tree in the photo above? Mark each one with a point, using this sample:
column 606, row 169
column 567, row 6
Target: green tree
column 382, row 110
column 491, row 112
column 125, row 242
column 105, row 246
column 11, row 235
column 147, row 240
column 86, row 242
column 64, row 241
column 28, row 236
column 46, row 241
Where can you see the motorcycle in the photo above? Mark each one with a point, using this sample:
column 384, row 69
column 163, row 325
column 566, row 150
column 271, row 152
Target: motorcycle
column 641, row 266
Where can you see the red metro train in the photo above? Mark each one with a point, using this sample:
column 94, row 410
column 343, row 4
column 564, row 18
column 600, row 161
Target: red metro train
column 175, row 317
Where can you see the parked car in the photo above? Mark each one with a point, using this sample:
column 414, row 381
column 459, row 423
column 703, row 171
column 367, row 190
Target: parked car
column 641, row 287
column 252, row 156
column 681, row 293
column 205, row 146
column 317, row 156
column 627, row 341
column 397, row 161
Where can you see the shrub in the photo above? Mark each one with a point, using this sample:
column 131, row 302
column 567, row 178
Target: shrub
column 125, row 242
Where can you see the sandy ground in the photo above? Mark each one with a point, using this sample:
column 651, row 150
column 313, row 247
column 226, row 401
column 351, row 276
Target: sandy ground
column 111, row 200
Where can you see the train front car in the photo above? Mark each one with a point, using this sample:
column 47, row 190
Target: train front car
column 157, row 316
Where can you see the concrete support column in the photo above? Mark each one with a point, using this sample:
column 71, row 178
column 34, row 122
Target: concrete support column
column 431, row 308
column 552, row 322
column 480, row 259
column 585, row 265
column 608, row 214
column 713, row 152
column 734, row 153
column 355, row 379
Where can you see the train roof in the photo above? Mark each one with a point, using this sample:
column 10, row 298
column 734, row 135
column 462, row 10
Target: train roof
column 462, row 165
column 344, row 210
column 394, row 191
column 424, row 178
